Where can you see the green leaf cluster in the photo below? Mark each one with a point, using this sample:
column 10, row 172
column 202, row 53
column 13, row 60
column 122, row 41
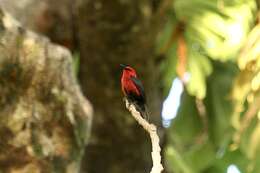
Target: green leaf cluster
column 213, row 30
column 223, row 63
column 246, row 96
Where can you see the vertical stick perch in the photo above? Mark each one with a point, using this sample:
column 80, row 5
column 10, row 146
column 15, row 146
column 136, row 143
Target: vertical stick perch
column 152, row 130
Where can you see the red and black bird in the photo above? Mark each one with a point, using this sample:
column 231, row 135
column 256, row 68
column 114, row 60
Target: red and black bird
column 133, row 89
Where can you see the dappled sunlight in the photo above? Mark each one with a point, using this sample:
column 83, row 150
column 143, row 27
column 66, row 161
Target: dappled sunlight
column 233, row 169
column 221, row 100
column 172, row 102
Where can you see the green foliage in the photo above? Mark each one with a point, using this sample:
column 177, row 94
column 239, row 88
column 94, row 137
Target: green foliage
column 199, row 68
column 219, row 103
column 75, row 63
column 190, row 117
column 246, row 96
column 224, row 129
column 212, row 30
column 192, row 151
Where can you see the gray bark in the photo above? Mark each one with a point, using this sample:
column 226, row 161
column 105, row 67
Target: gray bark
column 44, row 119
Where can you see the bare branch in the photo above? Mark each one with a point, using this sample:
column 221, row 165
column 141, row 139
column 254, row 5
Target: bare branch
column 152, row 130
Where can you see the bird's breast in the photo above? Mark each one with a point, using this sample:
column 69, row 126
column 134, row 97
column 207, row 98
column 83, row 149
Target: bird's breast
column 128, row 86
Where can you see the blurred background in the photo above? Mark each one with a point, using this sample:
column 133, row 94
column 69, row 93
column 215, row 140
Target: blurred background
column 199, row 61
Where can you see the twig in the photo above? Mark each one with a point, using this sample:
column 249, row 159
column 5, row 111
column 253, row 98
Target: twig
column 151, row 129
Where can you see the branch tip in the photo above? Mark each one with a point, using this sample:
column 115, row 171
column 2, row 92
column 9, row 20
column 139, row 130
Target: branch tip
column 152, row 130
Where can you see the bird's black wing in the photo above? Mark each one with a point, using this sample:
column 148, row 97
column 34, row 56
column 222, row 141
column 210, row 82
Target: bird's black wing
column 140, row 101
column 140, row 87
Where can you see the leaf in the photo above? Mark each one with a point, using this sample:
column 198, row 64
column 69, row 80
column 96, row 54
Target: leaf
column 181, row 137
column 230, row 157
column 174, row 161
column 201, row 156
column 219, row 103
column 212, row 29
column 185, row 135
column 199, row 67
column 169, row 68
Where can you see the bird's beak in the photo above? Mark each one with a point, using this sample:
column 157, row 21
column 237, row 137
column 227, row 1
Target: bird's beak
column 123, row 66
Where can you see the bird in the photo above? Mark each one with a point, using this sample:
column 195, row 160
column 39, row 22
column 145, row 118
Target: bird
column 133, row 90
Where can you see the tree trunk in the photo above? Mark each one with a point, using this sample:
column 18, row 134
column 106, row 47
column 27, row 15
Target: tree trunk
column 44, row 118
column 114, row 32
column 110, row 33
column 54, row 19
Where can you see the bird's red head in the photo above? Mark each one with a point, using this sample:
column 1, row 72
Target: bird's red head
column 128, row 71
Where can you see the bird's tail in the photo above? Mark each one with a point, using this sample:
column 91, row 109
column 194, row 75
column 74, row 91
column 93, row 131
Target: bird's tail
column 143, row 111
